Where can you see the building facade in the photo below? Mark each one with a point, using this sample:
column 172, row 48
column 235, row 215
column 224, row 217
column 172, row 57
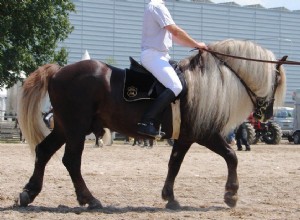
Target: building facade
column 110, row 30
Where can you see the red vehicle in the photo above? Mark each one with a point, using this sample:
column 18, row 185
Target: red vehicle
column 268, row 132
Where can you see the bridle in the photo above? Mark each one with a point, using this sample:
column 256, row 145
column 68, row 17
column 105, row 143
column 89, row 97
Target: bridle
column 263, row 107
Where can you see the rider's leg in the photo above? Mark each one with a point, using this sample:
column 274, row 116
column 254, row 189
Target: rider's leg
column 146, row 126
column 158, row 64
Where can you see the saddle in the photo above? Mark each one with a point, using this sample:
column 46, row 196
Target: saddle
column 140, row 84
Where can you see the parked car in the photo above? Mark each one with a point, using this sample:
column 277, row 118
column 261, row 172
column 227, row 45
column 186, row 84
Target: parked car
column 283, row 116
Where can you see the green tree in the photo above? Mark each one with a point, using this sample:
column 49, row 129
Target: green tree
column 29, row 34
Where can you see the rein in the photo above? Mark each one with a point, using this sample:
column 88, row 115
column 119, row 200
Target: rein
column 249, row 91
column 289, row 62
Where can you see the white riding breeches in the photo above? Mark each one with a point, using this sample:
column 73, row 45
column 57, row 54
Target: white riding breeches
column 158, row 64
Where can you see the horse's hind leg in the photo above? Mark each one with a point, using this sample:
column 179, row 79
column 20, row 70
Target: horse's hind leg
column 98, row 132
column 218, row 145
column 178, row 153
column 98, row 140
column 72, row 161
column 44, row 151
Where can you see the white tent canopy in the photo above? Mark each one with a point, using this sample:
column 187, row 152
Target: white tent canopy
column 3, row 93
column 86, row 56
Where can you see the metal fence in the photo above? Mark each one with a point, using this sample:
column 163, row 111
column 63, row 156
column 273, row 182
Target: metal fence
column 9, row 129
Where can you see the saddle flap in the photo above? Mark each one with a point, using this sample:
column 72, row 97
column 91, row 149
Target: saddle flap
column 135, row 66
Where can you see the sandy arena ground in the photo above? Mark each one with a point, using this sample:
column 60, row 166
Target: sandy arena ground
column 128, row 181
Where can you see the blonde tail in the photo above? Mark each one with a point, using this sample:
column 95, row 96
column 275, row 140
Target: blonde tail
column 29, row 108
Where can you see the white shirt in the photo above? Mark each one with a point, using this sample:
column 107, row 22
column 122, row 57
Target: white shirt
column 154, row 35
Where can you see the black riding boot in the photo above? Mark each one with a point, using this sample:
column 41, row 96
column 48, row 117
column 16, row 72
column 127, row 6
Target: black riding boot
column 146, row 127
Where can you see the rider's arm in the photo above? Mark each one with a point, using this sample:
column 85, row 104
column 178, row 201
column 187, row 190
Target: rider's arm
column 182, row 38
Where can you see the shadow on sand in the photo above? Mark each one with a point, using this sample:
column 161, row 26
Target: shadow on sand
column 107, row 209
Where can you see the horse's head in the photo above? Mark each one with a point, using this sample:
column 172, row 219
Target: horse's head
column 263, row 107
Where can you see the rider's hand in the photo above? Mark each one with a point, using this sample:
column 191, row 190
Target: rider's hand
column 201, row 46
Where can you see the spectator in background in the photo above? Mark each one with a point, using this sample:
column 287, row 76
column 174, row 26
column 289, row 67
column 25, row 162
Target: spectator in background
column 242, row 137
column 127, row 141
column 230, row 138
column 148, row 143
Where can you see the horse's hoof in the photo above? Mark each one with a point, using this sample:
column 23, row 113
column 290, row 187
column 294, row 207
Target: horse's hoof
column 95, row 204
column 24, row 199
column 167, row 194
column 174, row 205
column 230, row 199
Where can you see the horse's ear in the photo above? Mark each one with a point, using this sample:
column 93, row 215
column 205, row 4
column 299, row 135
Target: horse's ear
column 279, row 68
column 284, row 58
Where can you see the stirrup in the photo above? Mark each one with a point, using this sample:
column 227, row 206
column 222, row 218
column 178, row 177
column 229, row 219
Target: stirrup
column 160, row 134
column 147, row 129
column 151, row 132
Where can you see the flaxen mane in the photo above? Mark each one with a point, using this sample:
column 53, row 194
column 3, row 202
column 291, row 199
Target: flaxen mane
column 222, row 100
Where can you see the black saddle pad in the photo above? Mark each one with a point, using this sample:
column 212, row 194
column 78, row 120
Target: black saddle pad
column 140, row 84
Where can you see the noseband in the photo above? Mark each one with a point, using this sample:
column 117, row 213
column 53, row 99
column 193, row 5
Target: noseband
column 263, row 107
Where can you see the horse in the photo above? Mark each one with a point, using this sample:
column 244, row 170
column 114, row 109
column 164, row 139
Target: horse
column 87, row 96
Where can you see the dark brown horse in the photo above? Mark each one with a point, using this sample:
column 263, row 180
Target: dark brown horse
column 87, row 96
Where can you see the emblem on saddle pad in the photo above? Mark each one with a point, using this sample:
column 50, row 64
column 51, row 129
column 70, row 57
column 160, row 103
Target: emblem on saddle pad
column 132, row 91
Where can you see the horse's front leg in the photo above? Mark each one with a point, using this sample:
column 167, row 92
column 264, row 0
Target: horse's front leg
column 72, row 161
column 44, row 151
column 218, row 145
column 178, row 152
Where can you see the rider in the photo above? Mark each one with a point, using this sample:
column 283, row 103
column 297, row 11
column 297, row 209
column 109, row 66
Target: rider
column 159, row 30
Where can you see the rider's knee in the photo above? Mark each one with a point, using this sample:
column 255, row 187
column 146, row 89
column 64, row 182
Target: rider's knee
column 177, row 89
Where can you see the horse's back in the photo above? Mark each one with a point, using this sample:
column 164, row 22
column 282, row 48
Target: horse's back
column 80, row 70
column 82, row 80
